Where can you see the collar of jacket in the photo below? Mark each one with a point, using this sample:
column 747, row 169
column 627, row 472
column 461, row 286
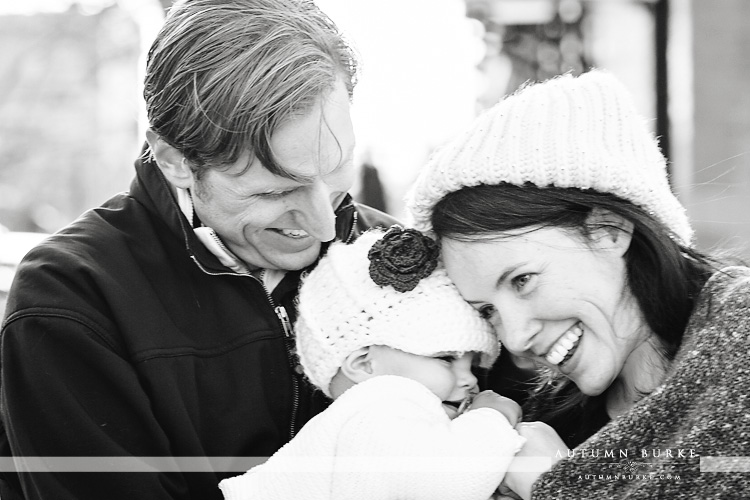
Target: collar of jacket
column 151, row 188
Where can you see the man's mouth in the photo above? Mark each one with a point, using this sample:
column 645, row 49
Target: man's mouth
column 564, row 348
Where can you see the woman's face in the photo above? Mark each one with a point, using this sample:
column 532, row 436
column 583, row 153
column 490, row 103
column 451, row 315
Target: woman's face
column 555, row 298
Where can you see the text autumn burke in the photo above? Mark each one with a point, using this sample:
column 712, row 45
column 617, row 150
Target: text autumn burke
column 632, row 454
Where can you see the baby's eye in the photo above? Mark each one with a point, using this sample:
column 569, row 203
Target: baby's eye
column 450, row 358
column 486, row 311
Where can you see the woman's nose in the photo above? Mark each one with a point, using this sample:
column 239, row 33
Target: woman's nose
column 516, row 327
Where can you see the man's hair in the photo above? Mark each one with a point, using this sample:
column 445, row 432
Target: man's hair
column 222, row 75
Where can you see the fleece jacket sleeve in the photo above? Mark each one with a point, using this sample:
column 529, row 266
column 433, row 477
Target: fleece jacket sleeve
column 66, row 392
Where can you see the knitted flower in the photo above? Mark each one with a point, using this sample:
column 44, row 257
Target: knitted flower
column 401, row 258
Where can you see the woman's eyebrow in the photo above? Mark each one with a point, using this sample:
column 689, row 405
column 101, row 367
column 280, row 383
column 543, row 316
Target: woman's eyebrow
column 504, row 276
column 500, row 280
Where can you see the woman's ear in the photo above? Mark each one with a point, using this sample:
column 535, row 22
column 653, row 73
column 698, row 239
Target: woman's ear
column 609, row 230
column 358, row 365
column 170, row 161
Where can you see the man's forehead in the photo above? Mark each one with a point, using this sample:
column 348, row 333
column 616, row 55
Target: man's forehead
column 250, row 169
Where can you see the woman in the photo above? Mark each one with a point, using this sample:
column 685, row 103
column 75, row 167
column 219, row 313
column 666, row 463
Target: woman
column 557, row 222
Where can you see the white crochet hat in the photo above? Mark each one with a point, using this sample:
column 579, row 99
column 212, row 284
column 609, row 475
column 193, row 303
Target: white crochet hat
column 341, row 307
column 580, row 132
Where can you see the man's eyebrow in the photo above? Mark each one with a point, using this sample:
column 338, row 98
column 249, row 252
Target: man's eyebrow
column 308, row 179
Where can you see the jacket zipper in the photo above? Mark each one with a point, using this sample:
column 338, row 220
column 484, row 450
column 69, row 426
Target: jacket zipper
column 281, row 315
column 352, row 230
column 288, row 340
column 286, row 327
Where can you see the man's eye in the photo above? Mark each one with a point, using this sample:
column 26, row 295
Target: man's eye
column 272, row 195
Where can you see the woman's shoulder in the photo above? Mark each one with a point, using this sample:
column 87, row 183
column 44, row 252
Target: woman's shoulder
column 726, row 294
column 728, row 279
column 720, row 323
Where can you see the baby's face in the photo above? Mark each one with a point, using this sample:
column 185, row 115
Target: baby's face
column 447, row 374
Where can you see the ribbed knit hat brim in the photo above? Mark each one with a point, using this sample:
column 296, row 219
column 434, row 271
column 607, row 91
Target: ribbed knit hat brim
column 341, row 309
column 569, row 132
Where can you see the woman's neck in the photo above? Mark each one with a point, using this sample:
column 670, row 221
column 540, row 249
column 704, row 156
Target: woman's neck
column 644, row 371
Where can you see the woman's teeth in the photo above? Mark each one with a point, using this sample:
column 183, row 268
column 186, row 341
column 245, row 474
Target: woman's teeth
column 293, row 233
column 564, row 347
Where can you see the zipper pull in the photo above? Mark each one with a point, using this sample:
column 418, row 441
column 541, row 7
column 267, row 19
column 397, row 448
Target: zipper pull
column 284, row 318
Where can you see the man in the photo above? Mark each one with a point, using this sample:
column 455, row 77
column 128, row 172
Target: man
column 159, row 324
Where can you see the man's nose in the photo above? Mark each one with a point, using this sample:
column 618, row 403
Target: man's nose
column 315, row 212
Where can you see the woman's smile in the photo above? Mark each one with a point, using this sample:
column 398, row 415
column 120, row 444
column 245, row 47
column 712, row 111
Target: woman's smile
column 554, row 297
column 564, row 348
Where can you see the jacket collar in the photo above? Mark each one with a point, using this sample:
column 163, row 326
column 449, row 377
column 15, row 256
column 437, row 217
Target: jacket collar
column 151, row 188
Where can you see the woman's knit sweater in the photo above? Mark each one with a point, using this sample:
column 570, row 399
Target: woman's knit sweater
column 662, row 447
column 388, row 437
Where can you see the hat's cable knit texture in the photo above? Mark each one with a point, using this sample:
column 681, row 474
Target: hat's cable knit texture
column 570, row 132
column 341, row 310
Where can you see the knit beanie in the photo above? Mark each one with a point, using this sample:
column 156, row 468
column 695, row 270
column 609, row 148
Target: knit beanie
column 384, row 289
column 569, row 132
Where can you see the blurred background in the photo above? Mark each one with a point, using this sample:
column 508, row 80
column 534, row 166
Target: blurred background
column 72, row 118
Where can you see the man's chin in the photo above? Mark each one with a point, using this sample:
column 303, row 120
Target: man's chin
column 293, row 261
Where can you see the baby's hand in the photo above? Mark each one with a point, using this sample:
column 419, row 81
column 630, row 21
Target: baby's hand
column 506, row 406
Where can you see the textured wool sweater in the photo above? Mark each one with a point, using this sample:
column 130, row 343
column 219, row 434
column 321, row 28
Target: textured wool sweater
column 665, row 446
column 388, row 437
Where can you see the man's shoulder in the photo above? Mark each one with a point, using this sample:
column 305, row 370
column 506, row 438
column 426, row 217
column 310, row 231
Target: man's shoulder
column 97, row 232
column 368, row 218
column 103, row 242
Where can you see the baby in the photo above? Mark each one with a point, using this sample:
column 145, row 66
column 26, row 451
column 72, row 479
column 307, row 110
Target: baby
column 384, row 332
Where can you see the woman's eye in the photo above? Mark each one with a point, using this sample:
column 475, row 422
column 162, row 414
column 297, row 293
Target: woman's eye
column 449, row 359
column 519, row 282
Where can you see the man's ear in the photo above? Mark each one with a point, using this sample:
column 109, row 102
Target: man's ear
column 170, row 161
column 609, row 230
column 358, row 365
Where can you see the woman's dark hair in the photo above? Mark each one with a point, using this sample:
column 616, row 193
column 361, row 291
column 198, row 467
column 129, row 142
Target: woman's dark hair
column 664, row 276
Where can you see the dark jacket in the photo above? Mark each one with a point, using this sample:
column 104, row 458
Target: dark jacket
column 125, row 336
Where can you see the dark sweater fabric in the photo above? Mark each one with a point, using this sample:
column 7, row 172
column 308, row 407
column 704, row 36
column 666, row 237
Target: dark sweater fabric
column 126, row 337
column 665, row 446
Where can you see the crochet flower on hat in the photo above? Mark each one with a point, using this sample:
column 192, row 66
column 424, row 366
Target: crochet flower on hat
column 401, row 258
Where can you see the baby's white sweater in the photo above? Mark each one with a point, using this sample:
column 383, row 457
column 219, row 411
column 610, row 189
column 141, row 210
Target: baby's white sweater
column 386, row 438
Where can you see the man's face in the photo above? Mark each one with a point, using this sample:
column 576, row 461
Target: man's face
column 273, row 222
